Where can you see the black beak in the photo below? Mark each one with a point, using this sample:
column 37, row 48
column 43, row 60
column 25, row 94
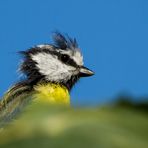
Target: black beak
column 85, row 72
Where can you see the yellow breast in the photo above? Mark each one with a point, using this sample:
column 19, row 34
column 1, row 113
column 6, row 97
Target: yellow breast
column 52, row 93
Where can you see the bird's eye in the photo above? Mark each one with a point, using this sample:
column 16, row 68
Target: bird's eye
column 64, row 58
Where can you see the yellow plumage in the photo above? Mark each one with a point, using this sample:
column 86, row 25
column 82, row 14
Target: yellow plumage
column 51, row 93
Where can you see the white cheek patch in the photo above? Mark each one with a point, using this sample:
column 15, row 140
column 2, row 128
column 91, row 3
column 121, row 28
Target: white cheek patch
column 51, row 67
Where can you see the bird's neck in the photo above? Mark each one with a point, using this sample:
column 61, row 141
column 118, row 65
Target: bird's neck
column 51, row 93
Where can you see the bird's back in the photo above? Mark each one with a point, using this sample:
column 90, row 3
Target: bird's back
column 14, row 101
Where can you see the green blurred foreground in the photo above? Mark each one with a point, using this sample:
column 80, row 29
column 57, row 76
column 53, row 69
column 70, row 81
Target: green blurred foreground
column 58, row 127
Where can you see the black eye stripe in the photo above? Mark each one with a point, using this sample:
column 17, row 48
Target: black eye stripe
column 64, row 58
column 70, row 61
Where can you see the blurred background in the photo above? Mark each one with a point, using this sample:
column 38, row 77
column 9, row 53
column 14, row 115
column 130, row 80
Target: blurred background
column 112, row 35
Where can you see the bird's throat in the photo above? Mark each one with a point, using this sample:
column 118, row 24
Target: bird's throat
column 51, row 93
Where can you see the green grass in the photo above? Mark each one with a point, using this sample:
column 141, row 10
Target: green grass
column 58, row 127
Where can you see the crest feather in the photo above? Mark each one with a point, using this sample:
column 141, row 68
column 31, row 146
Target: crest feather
column 64, row 41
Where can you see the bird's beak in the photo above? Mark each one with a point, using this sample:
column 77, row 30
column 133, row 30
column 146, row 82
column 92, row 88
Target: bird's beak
column 85, row 72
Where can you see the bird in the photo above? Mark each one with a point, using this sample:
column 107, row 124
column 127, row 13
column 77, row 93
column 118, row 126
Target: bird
column 50, row 71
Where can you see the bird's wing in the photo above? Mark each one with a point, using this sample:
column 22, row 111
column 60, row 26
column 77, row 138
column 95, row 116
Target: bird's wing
column 13, row 102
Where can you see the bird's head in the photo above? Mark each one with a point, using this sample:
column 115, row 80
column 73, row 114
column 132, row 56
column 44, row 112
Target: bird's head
column 61, row 62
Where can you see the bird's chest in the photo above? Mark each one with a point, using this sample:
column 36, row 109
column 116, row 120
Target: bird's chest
column 51, row 93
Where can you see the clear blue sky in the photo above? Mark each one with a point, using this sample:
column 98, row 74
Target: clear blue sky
column 113, row 35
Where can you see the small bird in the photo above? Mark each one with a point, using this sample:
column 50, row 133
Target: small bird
column 50, row 71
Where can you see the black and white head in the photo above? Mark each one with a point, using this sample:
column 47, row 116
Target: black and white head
column 61, row 62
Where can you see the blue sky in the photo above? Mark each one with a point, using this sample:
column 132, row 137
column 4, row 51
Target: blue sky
column 113, row 36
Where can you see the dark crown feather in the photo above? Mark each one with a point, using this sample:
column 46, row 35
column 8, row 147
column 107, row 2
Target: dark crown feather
column 64, row 42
